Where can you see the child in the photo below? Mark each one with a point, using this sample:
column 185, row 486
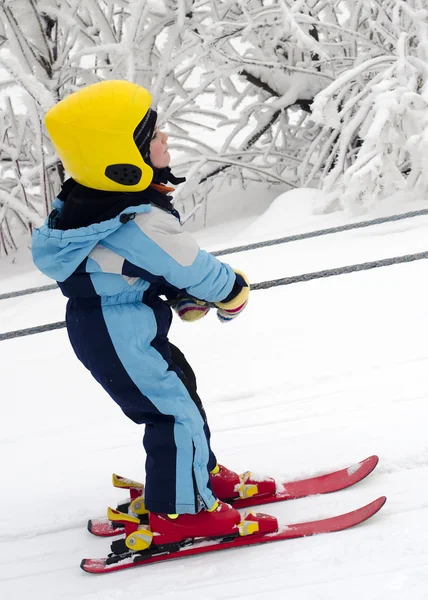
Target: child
column 114, row 245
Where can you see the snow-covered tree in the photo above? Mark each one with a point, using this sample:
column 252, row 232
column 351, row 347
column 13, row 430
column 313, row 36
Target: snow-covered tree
column 323, row 93
column 375, row 114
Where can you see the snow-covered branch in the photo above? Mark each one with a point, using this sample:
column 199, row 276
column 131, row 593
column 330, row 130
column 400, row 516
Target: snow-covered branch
column 295, row 92
column 378, row 111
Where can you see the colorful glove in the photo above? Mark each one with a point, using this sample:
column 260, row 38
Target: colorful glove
column 190, row 309
column 236, row 301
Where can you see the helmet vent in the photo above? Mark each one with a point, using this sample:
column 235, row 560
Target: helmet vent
column 124, row 174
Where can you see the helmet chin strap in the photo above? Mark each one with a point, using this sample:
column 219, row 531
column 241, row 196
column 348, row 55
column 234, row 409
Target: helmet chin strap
column 165, row 176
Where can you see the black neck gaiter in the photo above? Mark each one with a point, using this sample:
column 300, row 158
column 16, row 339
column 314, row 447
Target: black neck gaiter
column 85, row 206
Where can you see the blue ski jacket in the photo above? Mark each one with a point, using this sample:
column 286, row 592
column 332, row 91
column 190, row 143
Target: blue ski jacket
column 118, row 260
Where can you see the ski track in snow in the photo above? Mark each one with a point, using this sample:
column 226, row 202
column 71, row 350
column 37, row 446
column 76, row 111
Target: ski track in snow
column 316, row 376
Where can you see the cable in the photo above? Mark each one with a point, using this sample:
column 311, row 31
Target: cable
column 264, row 244
column 264, row 285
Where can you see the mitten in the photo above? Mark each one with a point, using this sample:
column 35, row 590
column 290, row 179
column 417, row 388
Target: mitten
column 236, row 301
column 190, row 309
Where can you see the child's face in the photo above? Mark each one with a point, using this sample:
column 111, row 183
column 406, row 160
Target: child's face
column 159, row 155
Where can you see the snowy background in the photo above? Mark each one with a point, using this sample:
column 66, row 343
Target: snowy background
column 279, row 94
column 312, row 376
column 260, row 97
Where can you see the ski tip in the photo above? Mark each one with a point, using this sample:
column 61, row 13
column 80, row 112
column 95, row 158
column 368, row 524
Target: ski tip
column 378, row 504
column 89, row 526
column 371, row 460
column 364, row 468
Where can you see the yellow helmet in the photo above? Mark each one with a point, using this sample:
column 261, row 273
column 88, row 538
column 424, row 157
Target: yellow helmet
column 102, row 135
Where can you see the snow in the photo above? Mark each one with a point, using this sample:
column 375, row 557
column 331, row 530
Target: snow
column 353, row 469
column 311, row 377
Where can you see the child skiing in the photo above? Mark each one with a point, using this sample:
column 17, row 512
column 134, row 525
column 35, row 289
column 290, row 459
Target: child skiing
column 114, row 245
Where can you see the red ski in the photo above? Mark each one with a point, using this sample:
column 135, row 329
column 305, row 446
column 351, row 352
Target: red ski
column 321, row 484
column 200, row 546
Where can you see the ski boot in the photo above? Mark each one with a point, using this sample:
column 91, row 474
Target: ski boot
column 170, row 532
column 220, row 520
column 228, row 485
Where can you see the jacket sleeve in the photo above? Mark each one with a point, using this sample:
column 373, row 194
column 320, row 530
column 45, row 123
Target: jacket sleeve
column 157, row 247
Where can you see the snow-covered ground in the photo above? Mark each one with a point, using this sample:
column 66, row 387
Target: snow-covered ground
column 311, row 377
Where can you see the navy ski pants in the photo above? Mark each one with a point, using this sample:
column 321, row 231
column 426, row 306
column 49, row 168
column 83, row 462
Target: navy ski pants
column 152, row 382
